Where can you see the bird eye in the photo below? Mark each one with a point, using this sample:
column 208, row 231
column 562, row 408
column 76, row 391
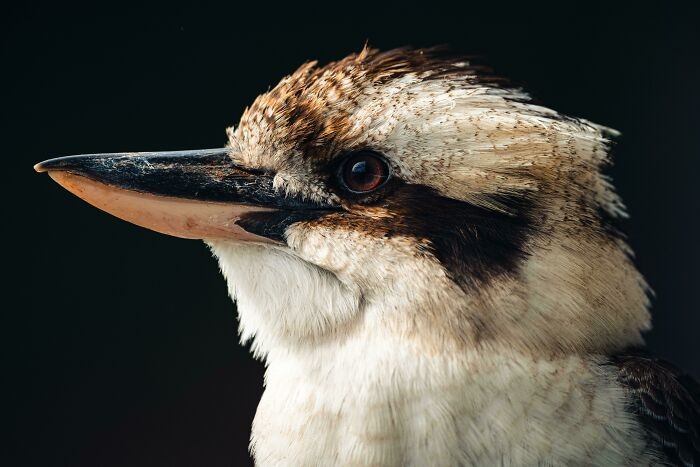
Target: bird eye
column 364, row 171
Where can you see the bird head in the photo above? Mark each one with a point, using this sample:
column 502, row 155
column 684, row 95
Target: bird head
column 400, row 195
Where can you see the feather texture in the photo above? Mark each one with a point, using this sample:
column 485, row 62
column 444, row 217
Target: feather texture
column 666, row 402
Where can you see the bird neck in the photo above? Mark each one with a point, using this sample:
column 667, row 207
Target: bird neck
column 393, row 402
column 417, row 369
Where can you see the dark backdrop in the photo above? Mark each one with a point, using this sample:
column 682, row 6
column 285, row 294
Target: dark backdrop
column 121, row 344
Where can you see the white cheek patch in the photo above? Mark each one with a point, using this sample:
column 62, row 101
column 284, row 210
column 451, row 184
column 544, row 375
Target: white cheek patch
column 281, row 299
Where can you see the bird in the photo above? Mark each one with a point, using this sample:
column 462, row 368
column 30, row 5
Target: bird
column 427, row 261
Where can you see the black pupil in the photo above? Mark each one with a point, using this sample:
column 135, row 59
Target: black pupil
column 364, row 172
column 361, row 173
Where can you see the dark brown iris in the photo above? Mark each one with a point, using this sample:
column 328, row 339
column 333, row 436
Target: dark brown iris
column 364, row 171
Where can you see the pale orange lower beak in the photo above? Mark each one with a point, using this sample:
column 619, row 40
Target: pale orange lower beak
column 172, row 216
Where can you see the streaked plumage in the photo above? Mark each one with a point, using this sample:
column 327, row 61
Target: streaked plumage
column 474, row 309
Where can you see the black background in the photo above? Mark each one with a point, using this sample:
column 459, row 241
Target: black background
column 121, row 344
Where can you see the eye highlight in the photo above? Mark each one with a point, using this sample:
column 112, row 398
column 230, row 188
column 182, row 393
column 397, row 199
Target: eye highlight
column 364, row 171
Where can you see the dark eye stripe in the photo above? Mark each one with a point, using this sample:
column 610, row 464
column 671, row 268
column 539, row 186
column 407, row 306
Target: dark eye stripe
column 474, row 244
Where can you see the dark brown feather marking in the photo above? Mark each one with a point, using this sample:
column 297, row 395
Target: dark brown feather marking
column 472, row 243
column 273, row 225
column 666, row 402
column 312, row 108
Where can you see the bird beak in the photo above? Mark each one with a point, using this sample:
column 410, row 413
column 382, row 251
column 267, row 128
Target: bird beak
column 197, row 194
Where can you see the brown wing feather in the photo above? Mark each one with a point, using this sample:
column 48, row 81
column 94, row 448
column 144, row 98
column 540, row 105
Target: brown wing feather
column 667, row 403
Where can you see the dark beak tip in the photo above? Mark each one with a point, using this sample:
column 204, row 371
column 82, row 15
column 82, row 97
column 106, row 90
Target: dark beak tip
column 50, row 164
column 58, row 163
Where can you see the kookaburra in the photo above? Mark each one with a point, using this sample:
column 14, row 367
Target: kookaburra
column 424, row 260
